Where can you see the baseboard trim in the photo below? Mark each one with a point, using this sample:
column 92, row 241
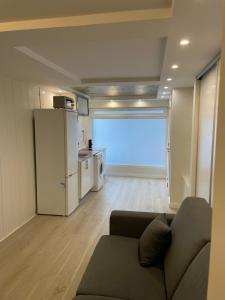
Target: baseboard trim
column 174, row 205
column 123, row 174
column 135, row 171
column 17, row 228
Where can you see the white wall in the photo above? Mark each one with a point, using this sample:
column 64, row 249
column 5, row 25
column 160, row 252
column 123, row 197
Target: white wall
column 135, row 171
column 206, row 132
column 17, row 163
column 17, row 171
column 101, row 104
column 180, row 143
column 84, row 131
column 216, row 288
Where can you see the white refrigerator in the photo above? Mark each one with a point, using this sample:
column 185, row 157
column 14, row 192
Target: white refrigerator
column 56, row 144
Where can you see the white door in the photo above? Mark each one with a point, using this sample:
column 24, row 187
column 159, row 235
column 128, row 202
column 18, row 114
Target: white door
column 208, row 99
column 71, row 193
column 71, row 142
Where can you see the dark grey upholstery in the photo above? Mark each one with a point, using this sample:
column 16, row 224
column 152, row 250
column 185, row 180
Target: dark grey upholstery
column 154, row 242
column 91, row 297
column 191, row 229
column 132, row 223
column 193, row 285
column 114, row 272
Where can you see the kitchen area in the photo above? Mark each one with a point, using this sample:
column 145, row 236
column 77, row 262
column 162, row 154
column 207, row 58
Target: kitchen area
column 91, row 170
column 67, row 166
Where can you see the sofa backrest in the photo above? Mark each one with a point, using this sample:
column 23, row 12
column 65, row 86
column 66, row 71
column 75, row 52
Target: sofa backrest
column 193, row 285
column 191, row 232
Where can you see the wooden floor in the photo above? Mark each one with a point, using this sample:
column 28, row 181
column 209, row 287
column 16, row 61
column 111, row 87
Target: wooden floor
column 46, row 258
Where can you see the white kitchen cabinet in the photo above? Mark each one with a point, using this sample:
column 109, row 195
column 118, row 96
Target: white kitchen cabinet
column 86, row 176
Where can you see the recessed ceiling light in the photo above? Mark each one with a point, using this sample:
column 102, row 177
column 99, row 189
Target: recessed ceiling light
column 174, row 67
column 166, row 87
column 169, row 79
column 165, row 93
column 60, row 91
column 184, row 42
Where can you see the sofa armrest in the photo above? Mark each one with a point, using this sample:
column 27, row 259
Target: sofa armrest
column 132, row 223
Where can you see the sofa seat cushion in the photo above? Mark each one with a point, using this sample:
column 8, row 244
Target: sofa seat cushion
column 91, row 297
column 114, row 271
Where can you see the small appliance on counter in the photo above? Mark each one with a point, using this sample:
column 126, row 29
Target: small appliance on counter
column 63, row 102
column 90, row 144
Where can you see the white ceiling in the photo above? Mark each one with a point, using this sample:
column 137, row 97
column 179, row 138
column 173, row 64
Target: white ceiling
column 142, row 51
column 35, row 9
column 109, row 58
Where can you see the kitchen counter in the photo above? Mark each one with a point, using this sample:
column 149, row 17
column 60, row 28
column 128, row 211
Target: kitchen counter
column 84, row 157
column 91, row 153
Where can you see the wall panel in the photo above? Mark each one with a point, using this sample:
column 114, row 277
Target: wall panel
column 17, row 172
column 208, row 100
column 180, row 144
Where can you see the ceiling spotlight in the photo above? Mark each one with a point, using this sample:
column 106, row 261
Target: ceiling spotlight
column 184, row 42
column 174, row 67
column 166, row 87
column 169, row 79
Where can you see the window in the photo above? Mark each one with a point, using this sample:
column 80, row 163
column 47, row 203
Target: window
column 132, row 141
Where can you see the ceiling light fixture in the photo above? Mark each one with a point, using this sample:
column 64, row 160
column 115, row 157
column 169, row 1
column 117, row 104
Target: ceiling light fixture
column 166, row 87
column 174, row 67
column 60, row 91
column 184, row 42
column 169, row 79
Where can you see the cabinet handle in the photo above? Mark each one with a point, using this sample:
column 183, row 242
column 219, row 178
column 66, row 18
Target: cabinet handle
column 63, row 184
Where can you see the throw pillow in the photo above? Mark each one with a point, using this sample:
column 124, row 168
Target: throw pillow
column 154, row 242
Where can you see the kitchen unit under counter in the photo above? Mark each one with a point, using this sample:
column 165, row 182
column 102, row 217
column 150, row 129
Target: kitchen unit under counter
column 86, row 175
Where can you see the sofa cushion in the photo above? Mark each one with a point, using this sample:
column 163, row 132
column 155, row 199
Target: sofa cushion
column 91, row 297
column 191, row 230
column 154, row 242
column 114, row 271
column 195, row 280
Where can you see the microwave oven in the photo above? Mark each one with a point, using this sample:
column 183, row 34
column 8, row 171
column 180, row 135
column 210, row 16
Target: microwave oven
column 63, row 102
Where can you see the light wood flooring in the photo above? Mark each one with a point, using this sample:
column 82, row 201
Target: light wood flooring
column 46, row 258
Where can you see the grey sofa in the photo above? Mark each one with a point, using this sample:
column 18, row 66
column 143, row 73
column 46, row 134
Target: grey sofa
column 114, row 272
